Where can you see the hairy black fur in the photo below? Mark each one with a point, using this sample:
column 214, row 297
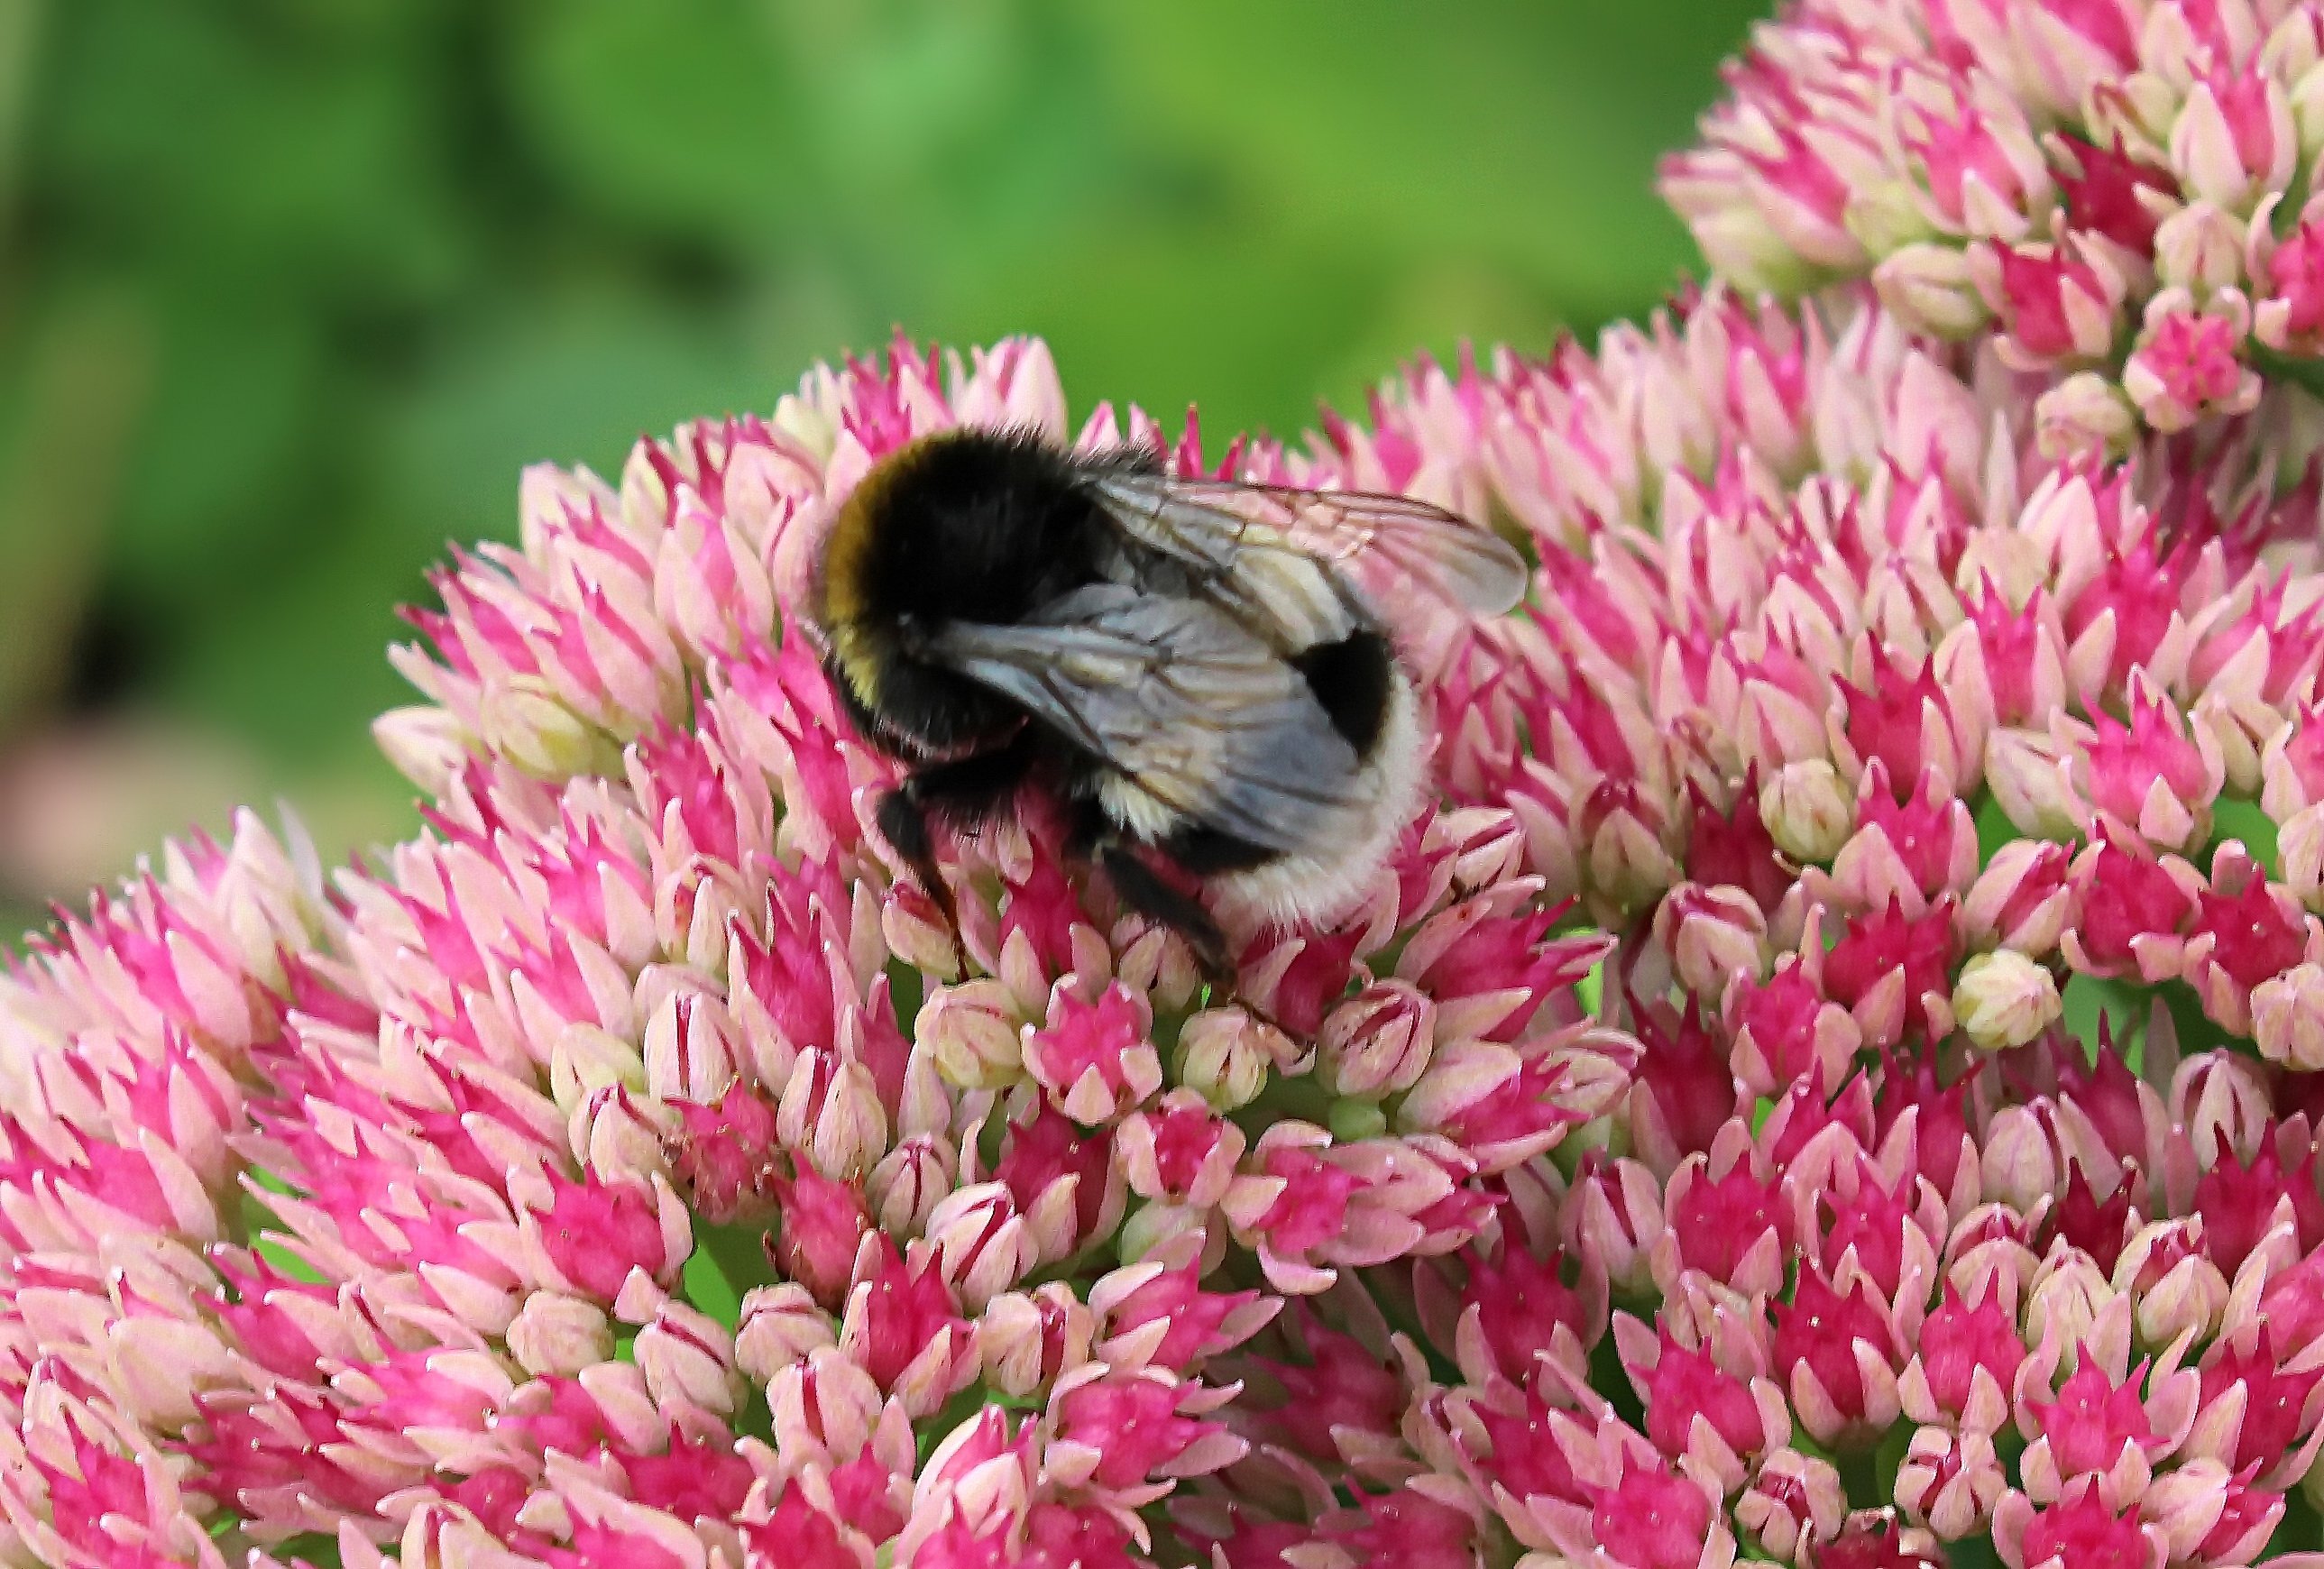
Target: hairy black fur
column 989, row 528
column 984, row 529
column 976, row 528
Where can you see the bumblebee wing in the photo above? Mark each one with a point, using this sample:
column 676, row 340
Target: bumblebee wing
column 1394, row 546
column 1181, row 700
column 1185, row 547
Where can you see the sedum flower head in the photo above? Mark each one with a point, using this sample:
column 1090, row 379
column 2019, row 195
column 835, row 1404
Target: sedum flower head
column 2116, row 189
column 617, row 1173
column 1919, row 688
column 1937, row 772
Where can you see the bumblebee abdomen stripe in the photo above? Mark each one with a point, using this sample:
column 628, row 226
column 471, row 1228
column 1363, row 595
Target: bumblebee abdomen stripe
column 1354, row 679
column 1317, row 881
column 845, row 587
column 1207, row 852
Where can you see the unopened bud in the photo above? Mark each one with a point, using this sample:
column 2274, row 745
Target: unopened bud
column 1808, row 810
column 689, row 1053
column 2004, row 999
column 525, row 721
column 2221, row 1096
column 972, row 1031
column 917, row 933
column 2066, row 1300
column 2300, row 847
column 2287, row 1018
column 2032, row 782
column 586, row 1059
column 688, row 1355
column 909, row 1181
column 844, row 1131
column 556, row 1335
column 1027, row 1338
column 1487, row 845
column 622, row 1134
column 2021, row 900
column 1623, row 853
column 1711, row 935
column 2201, row 248
column 425, row 744
column 2308, row 114
column 2179, row 1290
column 780, row 1327
column 2086, row 415
column 982, row 1244
column 1794, row 1501
column 1929, row 289
column 1888, row 215
column 1377, row 1043
column 2021, row 1164
column 1949, row 1483
column 1226, row 1055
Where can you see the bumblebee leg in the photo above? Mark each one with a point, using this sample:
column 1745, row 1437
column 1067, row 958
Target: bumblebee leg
column 965, row 791
column 1147, row 895
column 959, row 792
column 904, row 823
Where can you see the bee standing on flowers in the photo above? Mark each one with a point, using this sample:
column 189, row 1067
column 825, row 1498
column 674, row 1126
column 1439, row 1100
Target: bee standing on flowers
column 1188, row 668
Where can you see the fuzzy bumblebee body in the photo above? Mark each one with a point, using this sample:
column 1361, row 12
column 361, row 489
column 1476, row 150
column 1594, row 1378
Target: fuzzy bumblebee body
column 1183, row 666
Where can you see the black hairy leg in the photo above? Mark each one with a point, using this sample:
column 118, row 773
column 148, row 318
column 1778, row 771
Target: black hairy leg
column 1136, row 885
column 960, row 792
column 904, row 823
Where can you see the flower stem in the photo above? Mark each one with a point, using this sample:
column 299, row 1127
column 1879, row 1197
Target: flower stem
column 2303, row 372
column 737, row 1256
column 1860, row 1474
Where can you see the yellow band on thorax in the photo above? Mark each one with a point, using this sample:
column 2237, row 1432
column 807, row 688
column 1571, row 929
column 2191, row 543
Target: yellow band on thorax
column 846, row 552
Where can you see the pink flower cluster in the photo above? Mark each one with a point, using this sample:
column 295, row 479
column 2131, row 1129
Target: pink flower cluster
column 1877, row 1331
column 616, row 1174
column 2117, row 190
column 1949, row 801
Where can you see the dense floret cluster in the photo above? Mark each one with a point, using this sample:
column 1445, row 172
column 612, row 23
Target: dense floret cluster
column 1834, row 1075
column 619, row 1173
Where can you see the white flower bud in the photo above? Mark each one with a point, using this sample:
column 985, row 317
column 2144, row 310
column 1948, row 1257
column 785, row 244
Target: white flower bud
column 2004, row 999
column 1807, row 809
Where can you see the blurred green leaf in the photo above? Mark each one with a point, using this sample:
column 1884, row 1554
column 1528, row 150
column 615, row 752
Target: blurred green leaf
column 572, row 375
column 68, row 416
column 1519, row 131
column 230, row 443
column 679, row 115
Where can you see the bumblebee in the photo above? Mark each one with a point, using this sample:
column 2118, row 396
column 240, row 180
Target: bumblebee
column 1197, row 672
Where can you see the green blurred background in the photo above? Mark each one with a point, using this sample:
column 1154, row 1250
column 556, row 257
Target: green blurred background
column 293, row 288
